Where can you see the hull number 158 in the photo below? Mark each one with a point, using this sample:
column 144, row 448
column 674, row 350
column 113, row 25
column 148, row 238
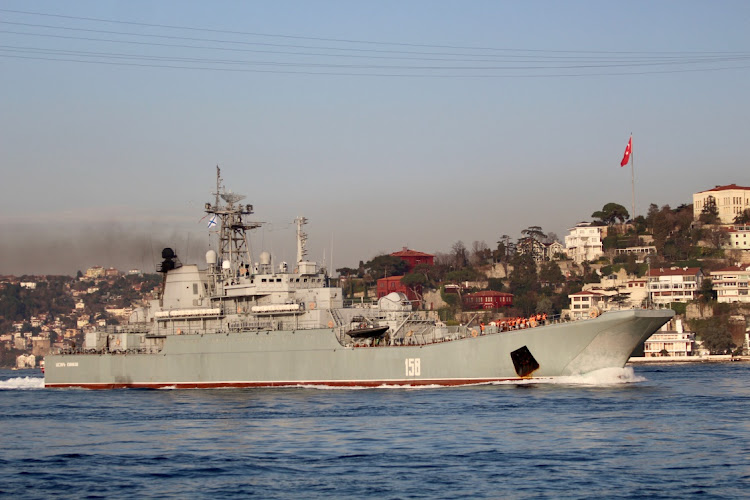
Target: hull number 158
column 413, row 367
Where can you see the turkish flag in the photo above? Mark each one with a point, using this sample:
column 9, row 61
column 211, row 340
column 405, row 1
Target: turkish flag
column 628, row 150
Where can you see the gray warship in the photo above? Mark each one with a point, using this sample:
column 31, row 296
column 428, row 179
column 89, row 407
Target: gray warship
column 238, row 322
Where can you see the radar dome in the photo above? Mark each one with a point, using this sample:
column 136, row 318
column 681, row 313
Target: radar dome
column 167, row 253
column 226, row 265
column 394, row 301
column 211, row 257
column 265, row 258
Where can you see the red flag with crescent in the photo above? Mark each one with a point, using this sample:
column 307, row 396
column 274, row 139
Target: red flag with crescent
column 628, row 150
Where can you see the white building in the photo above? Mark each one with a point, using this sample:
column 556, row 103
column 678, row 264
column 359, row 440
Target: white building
column 552, row 249
column 640, row 252
column 587, row 304
column 674, row 284
column 731, row 200
column 677, row 343
column 637, row 291
column 95, row 272
column 731, row 284
column 739, row 238
column 584, row 243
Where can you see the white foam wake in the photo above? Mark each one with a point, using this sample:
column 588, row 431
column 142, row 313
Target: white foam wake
column 605, row 376
column 324, row 387
column 22, row 383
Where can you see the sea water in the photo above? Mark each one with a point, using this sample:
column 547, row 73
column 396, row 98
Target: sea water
column 658, row 431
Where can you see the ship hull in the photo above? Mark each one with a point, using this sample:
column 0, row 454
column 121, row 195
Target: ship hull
column 315, row 357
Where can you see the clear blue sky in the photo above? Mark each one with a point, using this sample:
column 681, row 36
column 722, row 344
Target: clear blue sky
column 387, row 123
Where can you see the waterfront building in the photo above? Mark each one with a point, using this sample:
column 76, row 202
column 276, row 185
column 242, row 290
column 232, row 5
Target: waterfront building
column 584, row 243
column 673, row 284
column 731, row 284
column 670, row 343
column 730, row 200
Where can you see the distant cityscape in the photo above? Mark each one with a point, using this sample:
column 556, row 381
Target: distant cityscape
column 694, row 258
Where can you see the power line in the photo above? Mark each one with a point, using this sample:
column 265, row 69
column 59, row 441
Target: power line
column 514, row 63
column 404, row 75
column 630, row 61
column 343, row 40
column 80, row 53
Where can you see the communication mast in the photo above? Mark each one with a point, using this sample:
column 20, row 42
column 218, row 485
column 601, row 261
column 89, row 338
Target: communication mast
column 234, row 254
column 301, row 239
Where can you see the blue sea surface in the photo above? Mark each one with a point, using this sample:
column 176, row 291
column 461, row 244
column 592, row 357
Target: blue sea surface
column 656, row 431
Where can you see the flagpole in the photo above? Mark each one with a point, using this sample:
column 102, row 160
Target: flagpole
column 632, row 175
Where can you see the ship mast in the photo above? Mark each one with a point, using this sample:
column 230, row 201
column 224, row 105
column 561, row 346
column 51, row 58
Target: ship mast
column 234, row 257
column 301, row 239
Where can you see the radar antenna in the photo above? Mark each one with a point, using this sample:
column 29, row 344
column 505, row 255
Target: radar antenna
column 234, row 256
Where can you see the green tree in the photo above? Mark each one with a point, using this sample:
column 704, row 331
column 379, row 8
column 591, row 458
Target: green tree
column 706, row 293
column 714, row 333
column 480, row 253
column 550, row 272
column 653, row 210
column 534, row 232
column 524, row 277
column 459, row 275
column 460, row 255
column 743, row 217
column 544, row 306
column 611, row 213
column 505, row 250
column 709, row 213
column 386, row 265
column 433, row 273
column 663, row 223
column 716, row 236
column 415, row 282
column 495, row 284
column 348, row 273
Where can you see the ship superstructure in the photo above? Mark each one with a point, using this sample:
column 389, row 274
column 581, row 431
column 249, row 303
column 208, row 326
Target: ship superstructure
column 244, row 320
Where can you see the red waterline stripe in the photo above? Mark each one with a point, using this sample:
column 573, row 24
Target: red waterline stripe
column 214, row 385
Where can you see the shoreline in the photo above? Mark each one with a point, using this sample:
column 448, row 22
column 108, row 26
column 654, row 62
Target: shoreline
column 710, row 358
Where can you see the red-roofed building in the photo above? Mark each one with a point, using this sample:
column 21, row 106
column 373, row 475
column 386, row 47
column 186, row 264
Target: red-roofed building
column 674, row 284
column 393, row 284
column 731, row 200
column 413, row 257
column 487, row 299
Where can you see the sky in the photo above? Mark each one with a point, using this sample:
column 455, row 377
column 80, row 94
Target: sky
column 387, row 124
